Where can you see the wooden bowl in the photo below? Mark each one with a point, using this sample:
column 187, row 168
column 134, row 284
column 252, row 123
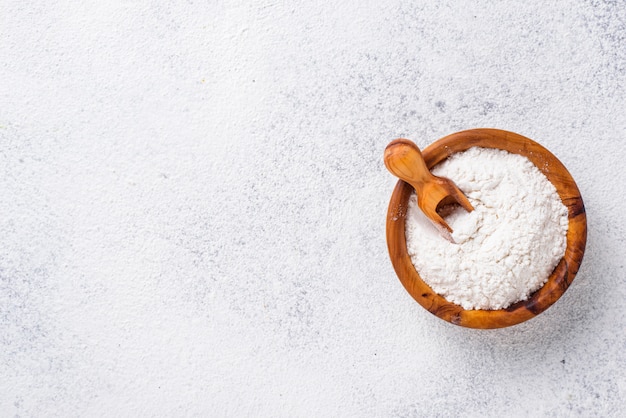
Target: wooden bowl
column 561, row 277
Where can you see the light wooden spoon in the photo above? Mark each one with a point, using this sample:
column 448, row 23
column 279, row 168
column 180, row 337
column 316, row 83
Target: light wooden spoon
column 404, row 160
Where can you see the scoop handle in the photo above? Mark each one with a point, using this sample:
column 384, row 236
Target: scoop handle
column 404, row 160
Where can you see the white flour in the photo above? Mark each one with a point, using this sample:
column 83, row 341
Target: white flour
column 507, row 247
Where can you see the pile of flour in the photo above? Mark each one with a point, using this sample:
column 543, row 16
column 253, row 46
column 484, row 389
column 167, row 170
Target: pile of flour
column 507, row 247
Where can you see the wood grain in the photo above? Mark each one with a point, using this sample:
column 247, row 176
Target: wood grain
column 561, row 277
column 404, row 160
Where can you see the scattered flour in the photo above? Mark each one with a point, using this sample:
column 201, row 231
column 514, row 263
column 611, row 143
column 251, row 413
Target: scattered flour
column 507, row 247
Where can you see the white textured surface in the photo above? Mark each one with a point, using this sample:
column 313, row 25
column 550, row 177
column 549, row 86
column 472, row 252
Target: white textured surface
column 193, row 204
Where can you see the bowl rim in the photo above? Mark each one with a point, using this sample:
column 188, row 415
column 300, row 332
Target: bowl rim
column 561, row 277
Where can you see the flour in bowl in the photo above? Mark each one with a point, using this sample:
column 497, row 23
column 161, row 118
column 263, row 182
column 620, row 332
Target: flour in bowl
column 507, row 247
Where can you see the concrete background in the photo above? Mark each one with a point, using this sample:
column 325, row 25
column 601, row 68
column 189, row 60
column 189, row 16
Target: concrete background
column 193, row 200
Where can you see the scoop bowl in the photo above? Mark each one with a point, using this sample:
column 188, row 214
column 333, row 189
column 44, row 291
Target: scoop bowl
column 561, row 277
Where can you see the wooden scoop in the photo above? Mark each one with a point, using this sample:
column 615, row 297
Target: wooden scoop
column 404, row 160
